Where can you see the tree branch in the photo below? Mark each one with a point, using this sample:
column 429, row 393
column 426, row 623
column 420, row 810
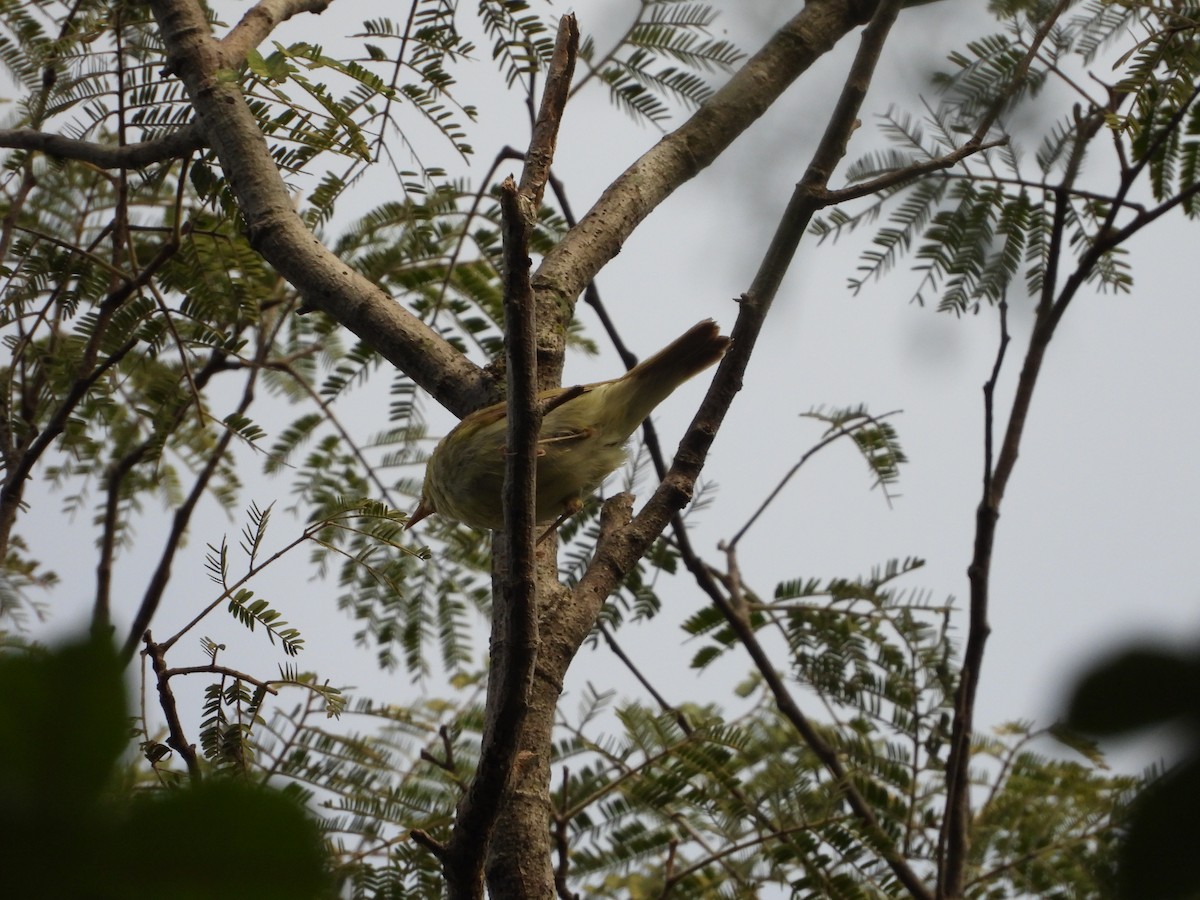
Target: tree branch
column 214, row 669
column 166, row 699
column 542, row 143
column 515, row 614
column 258, row 23
column 171, row 146
column 622, row 548
column 628, row 545
column 276, row 231
column 684, row 153
column 954, row 840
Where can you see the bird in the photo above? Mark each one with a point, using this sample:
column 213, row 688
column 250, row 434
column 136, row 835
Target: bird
column 580, row 442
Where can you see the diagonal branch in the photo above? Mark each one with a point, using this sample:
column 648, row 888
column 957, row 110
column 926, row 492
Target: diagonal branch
column 258, row 23
column 276, row 231
column 688, row 150
column 755, row 304
column 911, row 173
column 620, row 549
column 157, row 586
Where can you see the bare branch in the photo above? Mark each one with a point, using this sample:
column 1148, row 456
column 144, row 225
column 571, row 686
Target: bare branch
column 554, row 98
column 685, row 152
column 260, row 20
column 434, row 846
column 107, row 156
column 675, row 712
column 562, row 845
column 166, row 699
column 841, row 432
column 955, row 835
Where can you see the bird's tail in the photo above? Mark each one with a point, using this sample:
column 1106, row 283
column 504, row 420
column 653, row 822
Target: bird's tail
column 651, row 381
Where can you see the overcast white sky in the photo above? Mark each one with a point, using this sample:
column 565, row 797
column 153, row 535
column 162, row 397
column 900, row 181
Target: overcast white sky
column 1097, row 533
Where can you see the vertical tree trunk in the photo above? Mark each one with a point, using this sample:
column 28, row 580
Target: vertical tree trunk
column 519, row 863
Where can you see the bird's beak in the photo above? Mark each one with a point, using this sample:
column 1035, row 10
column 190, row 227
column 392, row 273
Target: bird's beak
column 419, row 513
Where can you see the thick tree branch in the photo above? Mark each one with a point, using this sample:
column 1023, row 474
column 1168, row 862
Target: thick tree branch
column 681, row 155
column 519, row 859
column 278, row 233
column 258, row 23
column 515, row 615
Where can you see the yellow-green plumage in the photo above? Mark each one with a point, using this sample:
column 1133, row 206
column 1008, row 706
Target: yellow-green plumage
column 579, row 444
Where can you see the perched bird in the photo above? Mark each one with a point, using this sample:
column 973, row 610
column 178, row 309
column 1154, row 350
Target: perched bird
column 581, row 441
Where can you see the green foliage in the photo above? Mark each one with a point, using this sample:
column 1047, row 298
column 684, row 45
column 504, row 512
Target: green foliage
column 63, row 797
column 225, row 742
column 993, row 222
column 522, row 43
column 1142, row 687
column 673, row 30
column 692, row 802
column 398, row 768
column 1046, row 828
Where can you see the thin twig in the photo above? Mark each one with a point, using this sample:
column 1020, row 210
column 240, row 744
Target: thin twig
column 562, row 845
column 898, row 177
column 214, row 669
column 180, row 521
column 676, row 712
column 843, row 431
column 954, row 837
